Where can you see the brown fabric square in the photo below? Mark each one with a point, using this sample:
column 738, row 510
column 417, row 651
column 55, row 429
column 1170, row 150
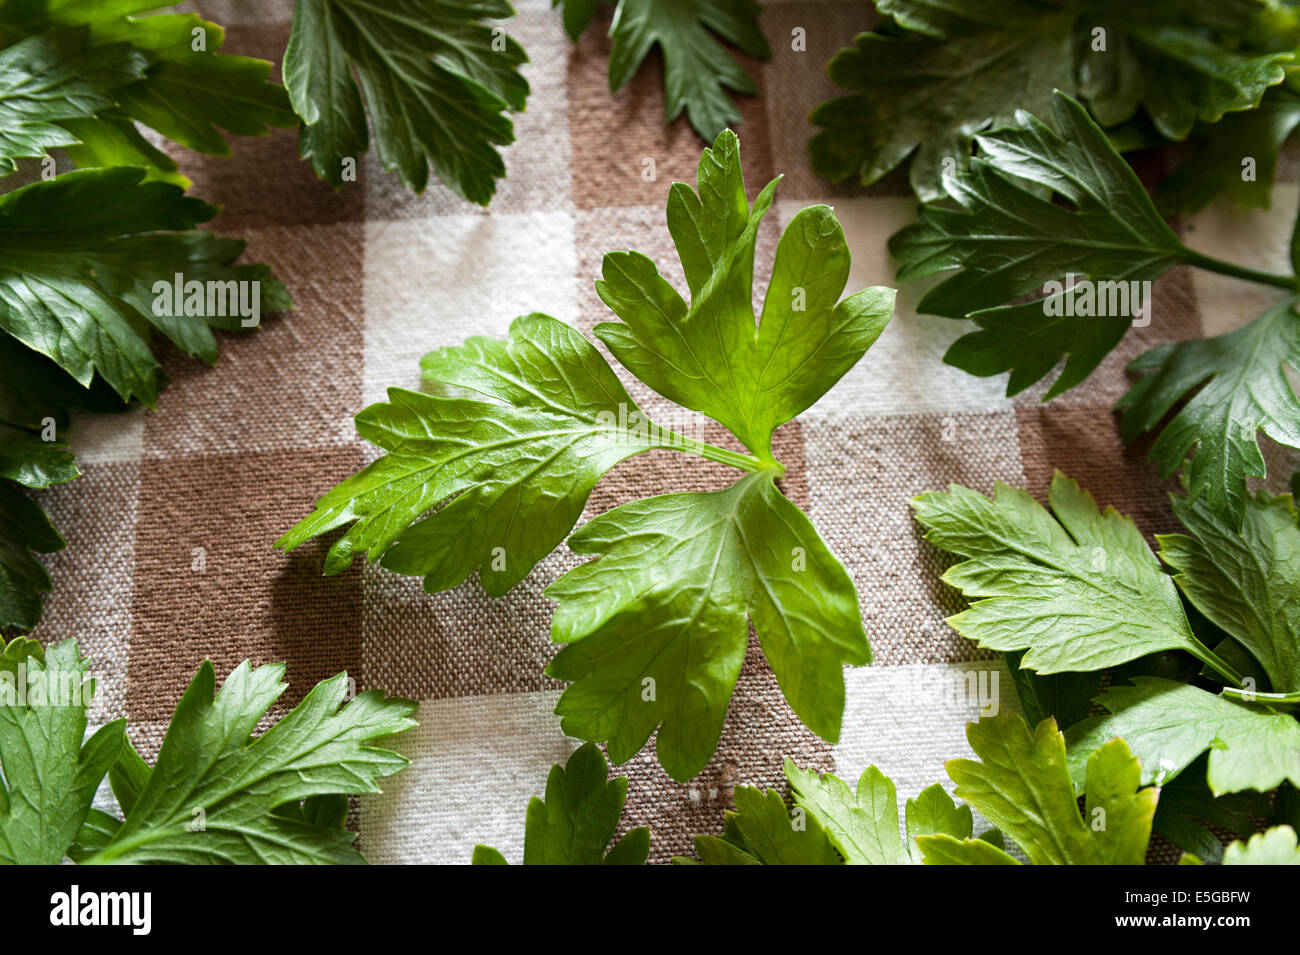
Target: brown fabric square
column 862, row 472
column 295, row 381
column 1085, row 443
column 462, row 642
column 248, row 601
column 611, row 135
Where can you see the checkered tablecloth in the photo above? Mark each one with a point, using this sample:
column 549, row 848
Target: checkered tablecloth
column 235, row 454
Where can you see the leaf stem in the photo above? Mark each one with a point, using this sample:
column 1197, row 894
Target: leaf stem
column 114, row 849
column 736, row 459
column 1266, row 699
column 1211, row 264
column 1216, row 663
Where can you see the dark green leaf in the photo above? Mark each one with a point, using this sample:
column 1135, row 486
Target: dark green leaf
column 1240, row 388
column 437, row 80
column 1010, row 241
column 24, row 529
column 46, row 80
column 698, row 70
column 960, row 66
column 1239, row 156
column 80, row 256
column 1247, row 581
column 213, row 793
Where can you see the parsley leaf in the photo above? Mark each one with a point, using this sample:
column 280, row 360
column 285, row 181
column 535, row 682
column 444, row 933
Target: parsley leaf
column 1022, row 785
column 81, row 254
column 188, row 95
column 574, row 824
column 1257, row 135
column 1170, row 724
column 762, row 831
column 1175, row 59
column 508, row 476
column 1241, row 388
column 1076, row 588
column 1009, row 240
column 1277, row 846
column 215, row 796
column 830, row 824
column 50, row 771
column 1246, row 581
column 958, row 68
column 656, row 627
column 48, row 79
column 24, row 529
column 949, row 69
column 863, row 825
column 698, row 70
column 437, row 80
column 111, row 138
column 707, row 355
column 518, row 466
column 35, row 394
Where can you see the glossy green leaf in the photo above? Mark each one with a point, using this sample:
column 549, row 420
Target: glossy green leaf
column 49, row 79
column 212, row 795
column 1169, row 724
column 656, row 627
column 515, row 468
column 1231, row 387
column 50, row 769
column 1009, row 240
column 710, row 355
column 81, row 255
column 575, row 822
column 698, row 70
column 1076, row 588
column 438, row 83
column 181, row 85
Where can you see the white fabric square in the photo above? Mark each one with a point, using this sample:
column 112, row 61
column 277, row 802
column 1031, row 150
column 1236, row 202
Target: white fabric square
column 475, row 763
column 436, row 282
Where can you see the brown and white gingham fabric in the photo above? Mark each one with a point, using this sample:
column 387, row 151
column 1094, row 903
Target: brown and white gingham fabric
column 235, row 454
